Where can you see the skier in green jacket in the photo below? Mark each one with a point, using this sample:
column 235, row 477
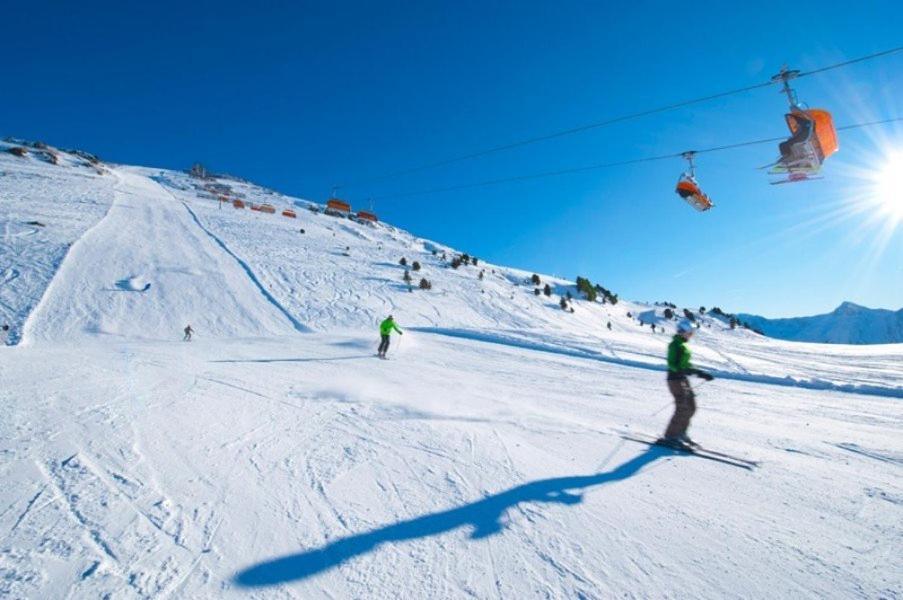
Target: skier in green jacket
column 385, row 330
column 679, row 367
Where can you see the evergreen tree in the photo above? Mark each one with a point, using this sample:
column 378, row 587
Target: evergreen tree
column 587, row 288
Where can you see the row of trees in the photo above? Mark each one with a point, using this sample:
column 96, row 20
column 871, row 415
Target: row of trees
column 464, row 259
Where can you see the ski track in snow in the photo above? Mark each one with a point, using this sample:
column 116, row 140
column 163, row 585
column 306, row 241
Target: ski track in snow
column 295, row 323
column 483, row 460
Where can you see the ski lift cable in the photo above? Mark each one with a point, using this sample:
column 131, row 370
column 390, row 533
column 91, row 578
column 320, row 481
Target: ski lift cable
column 851, row 62
column 607, row 122
column 621, row 163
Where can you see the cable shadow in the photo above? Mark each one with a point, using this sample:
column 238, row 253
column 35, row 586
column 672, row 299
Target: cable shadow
column 484, row 516
column 278, row 360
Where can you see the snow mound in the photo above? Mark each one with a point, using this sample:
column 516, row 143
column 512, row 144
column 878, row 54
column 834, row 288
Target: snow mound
column 134, row 283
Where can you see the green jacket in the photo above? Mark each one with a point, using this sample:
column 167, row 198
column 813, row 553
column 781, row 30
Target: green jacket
column 386, row 327
column 678, row 355
column 679, row 365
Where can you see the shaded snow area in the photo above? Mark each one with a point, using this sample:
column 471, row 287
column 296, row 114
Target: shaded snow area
column 276, row 457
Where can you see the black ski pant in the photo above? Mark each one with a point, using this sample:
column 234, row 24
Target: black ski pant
column 384, row 344
column 684, row 407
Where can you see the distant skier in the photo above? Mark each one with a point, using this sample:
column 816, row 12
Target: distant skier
column 609, row 325
column 188, row 331
column 385, row 331
column 679, row 367
column 4, row 334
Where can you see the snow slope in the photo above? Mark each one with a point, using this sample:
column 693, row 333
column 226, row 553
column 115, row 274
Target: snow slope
column 148, row 269
column 276, row 457
column 303, row 467
column 848, row 324
column 44, row 209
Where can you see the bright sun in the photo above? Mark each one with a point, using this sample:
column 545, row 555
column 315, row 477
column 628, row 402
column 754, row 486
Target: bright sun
column 889, row 187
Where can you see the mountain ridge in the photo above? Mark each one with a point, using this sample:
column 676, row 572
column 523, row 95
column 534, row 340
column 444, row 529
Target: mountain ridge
column 849, row 323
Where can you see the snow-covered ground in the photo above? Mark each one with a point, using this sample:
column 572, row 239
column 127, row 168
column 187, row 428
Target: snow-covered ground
column 274, row 456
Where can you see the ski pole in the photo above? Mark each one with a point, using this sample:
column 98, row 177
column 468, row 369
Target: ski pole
column 694, row 388
column 656, row 413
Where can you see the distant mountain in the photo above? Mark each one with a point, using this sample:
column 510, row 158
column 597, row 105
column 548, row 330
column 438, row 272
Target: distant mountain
column 848, row 324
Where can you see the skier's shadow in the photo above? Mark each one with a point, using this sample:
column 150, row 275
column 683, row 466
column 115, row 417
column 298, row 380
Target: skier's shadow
column 484, row 516
column 280, row 360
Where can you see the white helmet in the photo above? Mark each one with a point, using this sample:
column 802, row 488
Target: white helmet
column 685, row 326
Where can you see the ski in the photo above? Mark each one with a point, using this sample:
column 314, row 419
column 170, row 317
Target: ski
column 699, row 451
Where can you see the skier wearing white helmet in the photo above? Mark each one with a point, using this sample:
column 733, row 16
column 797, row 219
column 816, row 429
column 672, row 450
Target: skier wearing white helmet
column 679, row 367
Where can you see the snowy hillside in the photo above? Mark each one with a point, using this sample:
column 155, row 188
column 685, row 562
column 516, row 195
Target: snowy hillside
column 848, row 324
column 274, row 456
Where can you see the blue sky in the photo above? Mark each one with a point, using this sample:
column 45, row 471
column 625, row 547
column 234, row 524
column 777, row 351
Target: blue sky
column 301, row 96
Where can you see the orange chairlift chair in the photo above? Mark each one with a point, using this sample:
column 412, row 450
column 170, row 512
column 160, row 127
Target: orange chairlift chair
column 688, row 188
column 812, row 137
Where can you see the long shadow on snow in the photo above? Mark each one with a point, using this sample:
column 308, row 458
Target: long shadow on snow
column 591, row 354
column 277, row 360
column 485, row 516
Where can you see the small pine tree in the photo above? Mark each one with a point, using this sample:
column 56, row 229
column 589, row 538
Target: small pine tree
column 536, row 291
column 425, row 284
column 547, row 290
column 407, row 276
column 733, row 322
column 455, row 263
column 702, row 310
column 669, row 314
column 535, row 279
column 481, row 275
column 415, row 266
column 403, row 262
column 587, row 288
column 563, row 303
column 475, row 261
column 689, row 315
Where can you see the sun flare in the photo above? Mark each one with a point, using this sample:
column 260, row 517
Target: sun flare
column 888, row 189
